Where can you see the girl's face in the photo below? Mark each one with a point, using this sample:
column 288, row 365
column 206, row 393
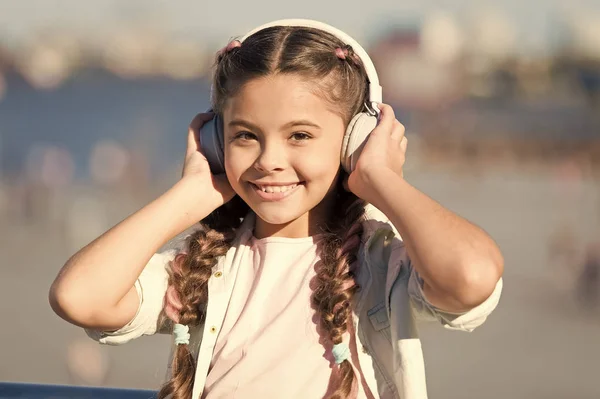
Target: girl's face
column 282, row 153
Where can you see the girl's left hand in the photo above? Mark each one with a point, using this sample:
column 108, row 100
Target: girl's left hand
column 385, row 150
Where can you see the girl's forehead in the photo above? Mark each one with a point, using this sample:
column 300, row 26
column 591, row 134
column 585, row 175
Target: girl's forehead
column 280, row 86
column 280, row 94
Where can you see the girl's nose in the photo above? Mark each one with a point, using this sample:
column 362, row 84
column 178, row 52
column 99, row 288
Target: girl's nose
column 271, row 159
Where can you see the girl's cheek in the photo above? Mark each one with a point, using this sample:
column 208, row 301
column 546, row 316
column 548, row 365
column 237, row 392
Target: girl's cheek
column 234, row 162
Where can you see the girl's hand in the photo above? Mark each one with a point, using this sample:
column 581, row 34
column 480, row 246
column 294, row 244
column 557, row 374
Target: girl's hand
column 385, row 150
column 215, row 190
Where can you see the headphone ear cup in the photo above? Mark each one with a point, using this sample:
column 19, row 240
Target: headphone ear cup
column 211, row 142
column 355, row 139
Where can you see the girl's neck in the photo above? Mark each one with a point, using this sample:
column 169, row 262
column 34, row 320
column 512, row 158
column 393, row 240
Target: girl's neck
column 297, row 228
column 309, row 224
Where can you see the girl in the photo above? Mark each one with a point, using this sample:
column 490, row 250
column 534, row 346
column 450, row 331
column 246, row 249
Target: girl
column 302, row 281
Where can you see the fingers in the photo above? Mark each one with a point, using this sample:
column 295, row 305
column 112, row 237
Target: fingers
column 404, row 143
column 403, row 146
column 386, row 120
column 193, row 143
column 398, row 131
column 388, row 123
column 200, row 120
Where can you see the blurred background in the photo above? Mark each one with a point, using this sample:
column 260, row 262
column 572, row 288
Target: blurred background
column 501, row 101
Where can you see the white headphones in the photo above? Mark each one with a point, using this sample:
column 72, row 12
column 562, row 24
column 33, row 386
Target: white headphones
column 358, row 130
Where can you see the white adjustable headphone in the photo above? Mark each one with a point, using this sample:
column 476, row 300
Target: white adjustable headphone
column 359, row 128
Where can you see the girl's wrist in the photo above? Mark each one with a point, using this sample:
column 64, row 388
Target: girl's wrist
column 191, row 203
column 371, row 181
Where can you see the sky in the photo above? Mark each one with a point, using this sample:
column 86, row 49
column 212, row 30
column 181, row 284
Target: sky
column 220, row 20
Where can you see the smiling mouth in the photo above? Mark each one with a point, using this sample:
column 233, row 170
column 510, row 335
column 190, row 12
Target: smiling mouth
column 275, row 192
column 276, row 188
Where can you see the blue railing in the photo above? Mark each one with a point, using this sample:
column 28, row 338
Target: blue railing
column 10, row 390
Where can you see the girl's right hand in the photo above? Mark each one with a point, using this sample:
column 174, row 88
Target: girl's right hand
column 214, row 189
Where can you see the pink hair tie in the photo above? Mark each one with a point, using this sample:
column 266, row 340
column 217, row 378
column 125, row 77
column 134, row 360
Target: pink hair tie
column 232, row 44
column 172, row 304
column 341, row 53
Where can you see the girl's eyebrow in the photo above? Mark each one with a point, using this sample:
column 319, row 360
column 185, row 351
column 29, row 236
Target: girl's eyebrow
column 243, row 123
column 301, row 122
column 250, row 125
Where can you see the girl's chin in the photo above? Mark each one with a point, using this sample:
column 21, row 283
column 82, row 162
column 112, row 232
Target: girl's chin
column 276, row 218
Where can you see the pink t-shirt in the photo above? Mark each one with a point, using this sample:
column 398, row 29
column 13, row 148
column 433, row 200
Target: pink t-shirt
column 269, row 345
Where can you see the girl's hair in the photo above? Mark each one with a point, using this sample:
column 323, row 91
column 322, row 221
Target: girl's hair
column 342, row 81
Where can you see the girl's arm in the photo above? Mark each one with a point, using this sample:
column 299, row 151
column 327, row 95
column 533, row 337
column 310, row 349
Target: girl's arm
column 458, row 262
column 95, row 288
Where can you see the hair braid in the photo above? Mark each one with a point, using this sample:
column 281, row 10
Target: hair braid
column 188, row 287
column 332, row 297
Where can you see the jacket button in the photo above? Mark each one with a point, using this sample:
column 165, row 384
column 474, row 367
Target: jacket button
column 213, row 329
column 218, row 274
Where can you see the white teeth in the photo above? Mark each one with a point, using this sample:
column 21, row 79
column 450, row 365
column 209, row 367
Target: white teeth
column 277, row 189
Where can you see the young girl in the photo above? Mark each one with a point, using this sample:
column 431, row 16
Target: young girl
column 303, row 281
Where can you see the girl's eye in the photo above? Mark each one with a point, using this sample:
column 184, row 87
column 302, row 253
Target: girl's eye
column 300, row 136
column 245, row 136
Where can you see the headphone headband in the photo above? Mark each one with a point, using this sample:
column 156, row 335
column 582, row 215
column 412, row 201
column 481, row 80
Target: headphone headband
column 375, row 90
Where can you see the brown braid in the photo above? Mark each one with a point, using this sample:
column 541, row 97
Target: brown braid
column 190, row 277
column 332, row 297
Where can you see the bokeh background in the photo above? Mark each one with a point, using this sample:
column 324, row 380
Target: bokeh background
column 501, row 101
